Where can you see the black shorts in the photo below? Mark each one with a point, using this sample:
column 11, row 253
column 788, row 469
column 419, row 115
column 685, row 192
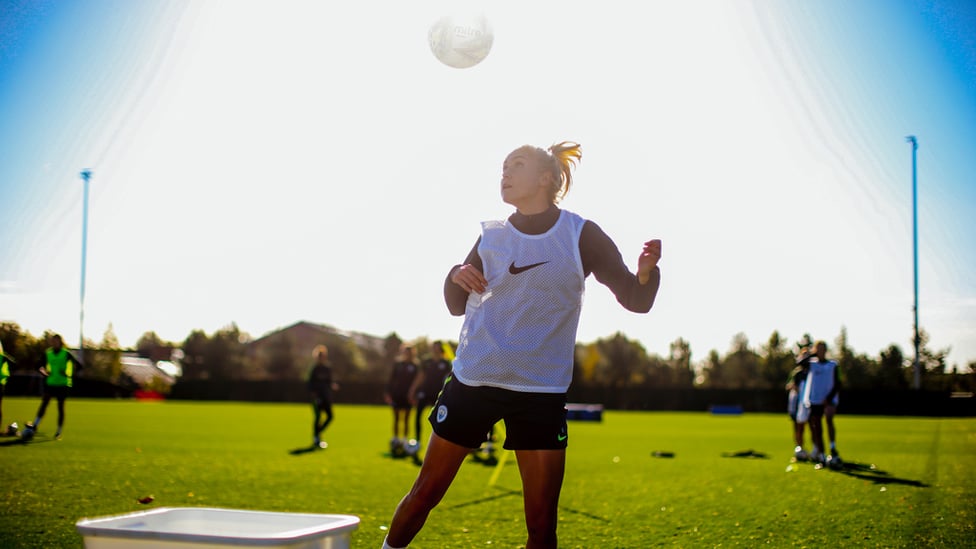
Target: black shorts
column 816, row 410
column 424, row 400
column 400, row 402
column 57, row 391
column 533, row 421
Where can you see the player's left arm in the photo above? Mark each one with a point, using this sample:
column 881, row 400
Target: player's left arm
column 601, row 256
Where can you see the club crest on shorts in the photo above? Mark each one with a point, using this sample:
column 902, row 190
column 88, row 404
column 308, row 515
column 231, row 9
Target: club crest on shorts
column 441, row 413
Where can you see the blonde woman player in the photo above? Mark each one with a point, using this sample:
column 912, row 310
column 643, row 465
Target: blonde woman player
column 520, row 290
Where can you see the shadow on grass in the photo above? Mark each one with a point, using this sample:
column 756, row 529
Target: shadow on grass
column 21, row 442
column 415, row 459
column 13, row 442
column 585, row 514
column 506, row 493
column 871, row 473
column 752, row 454
column 308, row 450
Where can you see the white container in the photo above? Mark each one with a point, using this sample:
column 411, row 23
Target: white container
column 205, row 528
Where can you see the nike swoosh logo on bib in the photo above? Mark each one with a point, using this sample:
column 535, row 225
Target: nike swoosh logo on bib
column 516, row 270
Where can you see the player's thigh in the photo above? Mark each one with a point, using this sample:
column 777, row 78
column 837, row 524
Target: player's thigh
column 542, row 473
column 441, row 463
column 830, row 411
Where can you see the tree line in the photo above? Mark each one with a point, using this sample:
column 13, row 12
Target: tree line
column 613, row 362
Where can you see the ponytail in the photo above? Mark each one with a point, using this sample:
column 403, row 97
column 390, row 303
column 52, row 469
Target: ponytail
column 563, row 157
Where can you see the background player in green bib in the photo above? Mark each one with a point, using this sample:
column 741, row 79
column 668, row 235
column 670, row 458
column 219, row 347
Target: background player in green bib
column 520, row 290
column 58, row 371
column 4, row 374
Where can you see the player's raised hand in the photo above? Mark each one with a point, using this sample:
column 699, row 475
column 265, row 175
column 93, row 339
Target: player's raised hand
column 648, row 259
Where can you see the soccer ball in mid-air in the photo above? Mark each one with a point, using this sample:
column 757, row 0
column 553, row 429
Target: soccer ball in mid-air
column 461, row 41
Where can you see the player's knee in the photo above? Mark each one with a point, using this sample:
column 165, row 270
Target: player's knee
column 423, row 497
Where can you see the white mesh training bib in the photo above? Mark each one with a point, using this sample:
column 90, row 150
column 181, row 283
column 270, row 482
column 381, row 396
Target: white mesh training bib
column 820, row 381
column 520, row 334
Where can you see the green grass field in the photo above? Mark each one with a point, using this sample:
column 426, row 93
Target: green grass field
column 921, row 492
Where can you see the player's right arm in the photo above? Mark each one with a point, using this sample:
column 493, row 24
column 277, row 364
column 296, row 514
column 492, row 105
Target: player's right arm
column 463, row 279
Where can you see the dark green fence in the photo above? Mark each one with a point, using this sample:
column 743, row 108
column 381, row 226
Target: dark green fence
column 886, row 403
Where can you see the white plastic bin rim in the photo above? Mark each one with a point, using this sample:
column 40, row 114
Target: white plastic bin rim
column 219, row 526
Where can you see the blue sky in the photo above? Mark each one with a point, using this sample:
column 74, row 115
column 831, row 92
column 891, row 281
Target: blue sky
column 264, row 163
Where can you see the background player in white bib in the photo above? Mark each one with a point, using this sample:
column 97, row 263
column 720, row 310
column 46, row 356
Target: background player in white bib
column 520, row 290
column 820, row 393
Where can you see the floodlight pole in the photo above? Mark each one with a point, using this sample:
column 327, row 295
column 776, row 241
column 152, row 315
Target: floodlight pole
column 86, row 177
column 917, row 370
